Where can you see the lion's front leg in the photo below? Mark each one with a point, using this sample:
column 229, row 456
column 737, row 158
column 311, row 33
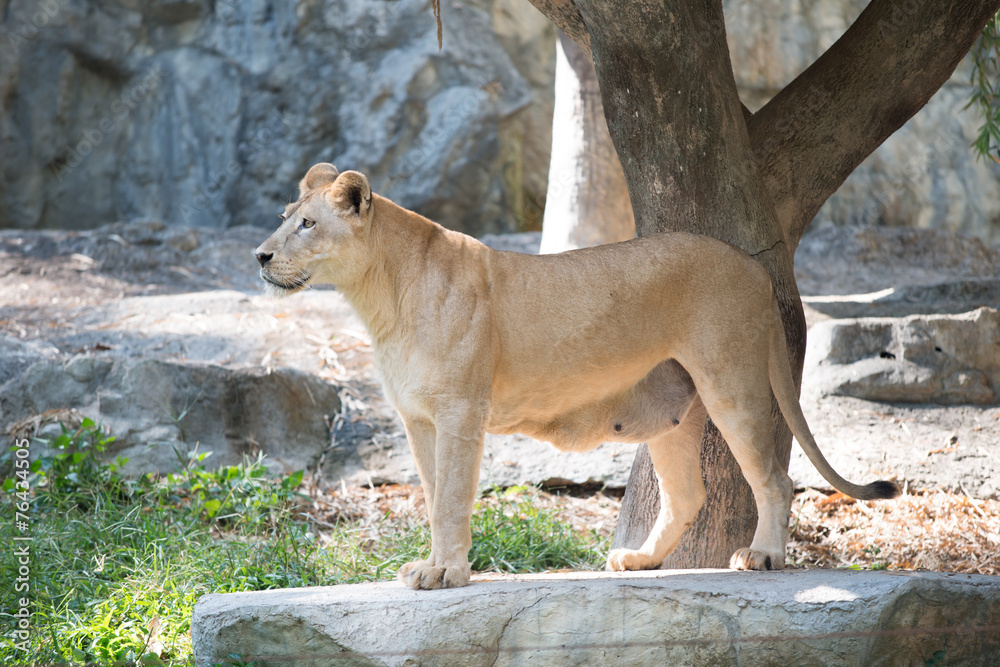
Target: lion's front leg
column 676, row 456
column 451, row 481
column 420, row 435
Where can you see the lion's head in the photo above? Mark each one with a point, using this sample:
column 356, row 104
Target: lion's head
column 322, row 237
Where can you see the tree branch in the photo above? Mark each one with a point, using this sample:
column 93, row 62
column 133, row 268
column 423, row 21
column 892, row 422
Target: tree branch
column 810, row 137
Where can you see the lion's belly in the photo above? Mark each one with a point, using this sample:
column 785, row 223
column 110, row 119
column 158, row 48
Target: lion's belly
column 578, row 412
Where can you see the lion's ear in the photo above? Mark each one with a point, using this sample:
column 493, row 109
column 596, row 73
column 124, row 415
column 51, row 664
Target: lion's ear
column 356, row 191
column 323, row 173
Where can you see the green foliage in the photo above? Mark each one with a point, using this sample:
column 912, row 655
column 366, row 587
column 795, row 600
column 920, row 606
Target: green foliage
column 117, row 564
column 512, row 534
column 113, row 558
column 71, row 469
column 244, row 495
column 985, row 80
column 873, row 551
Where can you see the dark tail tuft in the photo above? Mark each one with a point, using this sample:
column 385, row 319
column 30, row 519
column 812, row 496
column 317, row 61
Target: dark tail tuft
column 881, row 489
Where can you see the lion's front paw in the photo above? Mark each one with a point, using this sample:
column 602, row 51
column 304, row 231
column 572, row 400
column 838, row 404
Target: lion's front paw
column 750, row 559
column 419, row 575
column 620, row 560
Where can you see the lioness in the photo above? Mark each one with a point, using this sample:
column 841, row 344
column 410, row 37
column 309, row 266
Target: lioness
column 632, row 341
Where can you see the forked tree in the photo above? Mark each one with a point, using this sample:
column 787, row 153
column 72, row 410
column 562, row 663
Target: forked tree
column 696, row 159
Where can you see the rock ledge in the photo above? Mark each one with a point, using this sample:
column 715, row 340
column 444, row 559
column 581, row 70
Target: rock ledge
column 719, row 617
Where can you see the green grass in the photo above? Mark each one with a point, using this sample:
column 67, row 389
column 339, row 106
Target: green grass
column 511, row 534
column 112, row 558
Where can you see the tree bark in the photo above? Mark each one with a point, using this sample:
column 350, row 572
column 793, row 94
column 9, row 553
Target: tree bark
column 696, row 160
column 587, row 202
column 565, row 15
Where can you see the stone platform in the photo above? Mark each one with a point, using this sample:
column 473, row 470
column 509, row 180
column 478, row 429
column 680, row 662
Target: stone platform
column 692, row 617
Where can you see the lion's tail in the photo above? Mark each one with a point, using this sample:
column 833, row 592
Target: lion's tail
column 784, row 390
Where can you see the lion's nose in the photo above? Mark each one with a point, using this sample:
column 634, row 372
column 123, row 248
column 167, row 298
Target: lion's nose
column 264, row 257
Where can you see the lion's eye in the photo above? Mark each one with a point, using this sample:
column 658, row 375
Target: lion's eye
column 307, row 223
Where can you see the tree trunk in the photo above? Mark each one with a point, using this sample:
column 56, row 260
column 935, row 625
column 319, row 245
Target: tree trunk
column 587, row 201
column 696, row 160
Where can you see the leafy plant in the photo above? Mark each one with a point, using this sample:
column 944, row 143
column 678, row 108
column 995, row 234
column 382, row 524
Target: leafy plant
column 111, row 558
column 72, row 465
column 872, row 551
column 985, row 79
column 511, row 534
column 243, row 495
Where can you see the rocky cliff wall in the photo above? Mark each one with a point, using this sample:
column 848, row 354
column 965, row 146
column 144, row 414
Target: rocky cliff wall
column 207, row 112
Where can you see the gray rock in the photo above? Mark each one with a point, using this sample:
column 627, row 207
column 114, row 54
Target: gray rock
column 925, row 175
column 17, row 355
column 894, row 273
column 950, row 296
column 208, row 113
column 816, row 617
column 947, row 359
column 159, row 410
column 855, row 260
column 852, row 272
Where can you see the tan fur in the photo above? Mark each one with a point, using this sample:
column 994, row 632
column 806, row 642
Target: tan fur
column 633, row 341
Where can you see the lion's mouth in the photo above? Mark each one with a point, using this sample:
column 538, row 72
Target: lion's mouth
column 289, row 286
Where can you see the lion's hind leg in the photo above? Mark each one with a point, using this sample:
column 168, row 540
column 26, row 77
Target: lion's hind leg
column 676, row 456
column 743, row 417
